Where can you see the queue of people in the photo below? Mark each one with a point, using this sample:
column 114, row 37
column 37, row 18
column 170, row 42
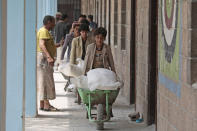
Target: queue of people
column 81, row 39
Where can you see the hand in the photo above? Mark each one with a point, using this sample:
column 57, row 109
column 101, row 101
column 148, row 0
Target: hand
column 61, row 42
column 75, row 22
column 50, row 61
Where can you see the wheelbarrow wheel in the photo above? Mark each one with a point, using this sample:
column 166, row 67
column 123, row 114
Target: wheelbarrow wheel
column 100, row 125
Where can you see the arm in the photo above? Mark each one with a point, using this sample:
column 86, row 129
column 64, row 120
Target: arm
column 60, row 43
column 64, row 48
column 85, row 70
column 111, row 60
column 73, row 53
column 44, row 49
column 72, row 28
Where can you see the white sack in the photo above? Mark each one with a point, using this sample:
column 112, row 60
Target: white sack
column 71, row 88
column 72, row 69
column 80, row 82
column 103, row 79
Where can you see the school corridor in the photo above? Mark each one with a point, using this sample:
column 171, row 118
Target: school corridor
column 153, row 43
column 72, row 117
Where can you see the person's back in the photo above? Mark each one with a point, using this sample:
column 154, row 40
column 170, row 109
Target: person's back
column 61, row 29
column 92, row 24
column 68, row 42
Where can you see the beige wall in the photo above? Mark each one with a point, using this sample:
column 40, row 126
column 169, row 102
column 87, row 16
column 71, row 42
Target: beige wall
column 178, row 111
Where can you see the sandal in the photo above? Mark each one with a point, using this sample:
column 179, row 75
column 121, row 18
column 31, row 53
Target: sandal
column 51, row 108
column 134, row 116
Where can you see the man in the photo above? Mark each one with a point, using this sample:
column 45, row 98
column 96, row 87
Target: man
column 81, row 17
column 80, row 44
column 61, row 29
column 46, row 52
column 58, row 16
column 78, row 50
column 93, row 25
column 68, row 42
column 90, row 33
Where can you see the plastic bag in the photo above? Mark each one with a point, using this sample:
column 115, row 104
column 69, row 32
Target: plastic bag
column 103, row 79
column 71, row 88
column 72, row 69
column 80, row 82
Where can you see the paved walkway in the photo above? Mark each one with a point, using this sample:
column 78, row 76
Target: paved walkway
column 72, row 116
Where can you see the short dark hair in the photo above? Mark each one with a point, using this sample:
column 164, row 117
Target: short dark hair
column 100, row 31
column 64, row 16
column 83, row 16
column 90, row 17
column 48, row 18
column 83, row 27
column 77, row 24
column 84, row 21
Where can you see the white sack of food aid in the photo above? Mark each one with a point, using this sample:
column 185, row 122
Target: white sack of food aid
column 102, row 79
column 62, row 65
column 72, row 69
column 71, row 88
column 80, row 82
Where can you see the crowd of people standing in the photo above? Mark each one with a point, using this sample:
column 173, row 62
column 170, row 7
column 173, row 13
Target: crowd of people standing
column 80, row 39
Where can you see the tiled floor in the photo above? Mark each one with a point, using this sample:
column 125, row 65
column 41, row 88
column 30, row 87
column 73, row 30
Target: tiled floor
column 72, row 117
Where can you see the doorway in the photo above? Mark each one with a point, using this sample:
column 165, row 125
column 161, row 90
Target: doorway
column 132, row 53
column 152, row 65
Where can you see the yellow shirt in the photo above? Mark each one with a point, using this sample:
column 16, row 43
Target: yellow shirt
column 44, row 34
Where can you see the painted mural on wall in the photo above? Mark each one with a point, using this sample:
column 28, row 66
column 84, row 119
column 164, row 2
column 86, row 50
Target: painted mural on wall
column 170, row 39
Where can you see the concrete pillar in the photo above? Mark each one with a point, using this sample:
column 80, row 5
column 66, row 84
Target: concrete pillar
column 18, row 59
column 45, row 7
column 14, row 65
column 30, row 58
column 39, row 13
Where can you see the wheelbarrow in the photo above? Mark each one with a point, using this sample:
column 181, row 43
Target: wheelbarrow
column 66, row 78
column 101, row 98
column 67, row 84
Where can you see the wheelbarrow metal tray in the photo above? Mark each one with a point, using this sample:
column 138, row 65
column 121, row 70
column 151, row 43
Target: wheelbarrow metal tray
column 98, row 96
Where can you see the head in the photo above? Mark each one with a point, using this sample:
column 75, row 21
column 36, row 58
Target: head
column 49, row 22
column 84, row 29
column 90, row 18
column 58, row 16
column 100, row 34
column 76, row 30
column 84, row 21
column 81, row 17
column 64, row 17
